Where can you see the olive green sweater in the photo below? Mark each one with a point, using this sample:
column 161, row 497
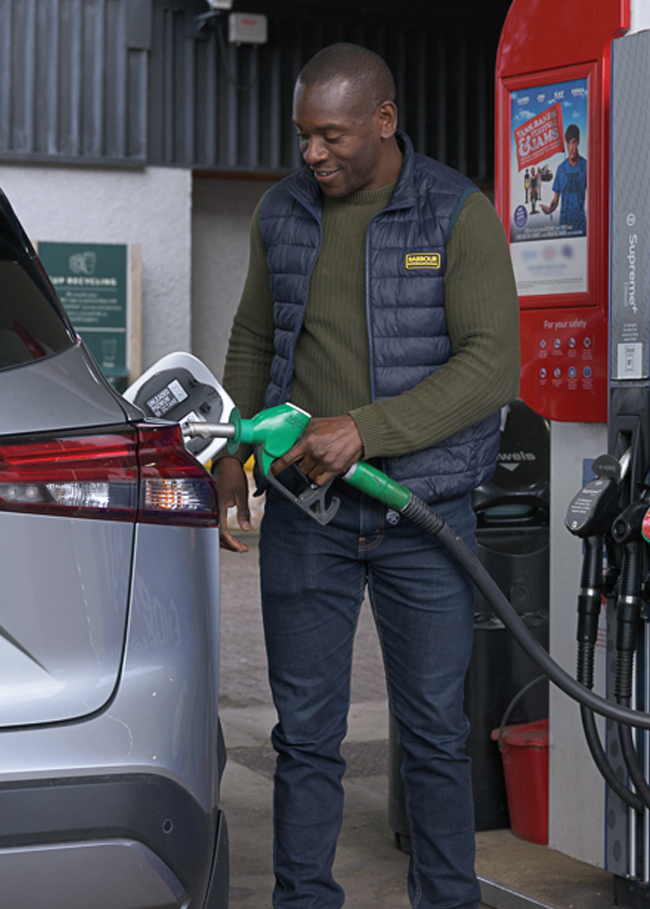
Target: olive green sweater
column 332, row 360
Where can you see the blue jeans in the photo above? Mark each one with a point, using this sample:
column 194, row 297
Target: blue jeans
column 313, row 580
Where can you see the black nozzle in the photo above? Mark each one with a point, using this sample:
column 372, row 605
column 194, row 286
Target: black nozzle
column 592, row 510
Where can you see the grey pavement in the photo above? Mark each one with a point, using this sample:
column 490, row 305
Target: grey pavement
column 515, row 874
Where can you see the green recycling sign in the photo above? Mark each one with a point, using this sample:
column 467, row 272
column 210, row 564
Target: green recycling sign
column 91, row 281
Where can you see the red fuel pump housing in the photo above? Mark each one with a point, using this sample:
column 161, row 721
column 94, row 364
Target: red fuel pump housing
column 553, row 90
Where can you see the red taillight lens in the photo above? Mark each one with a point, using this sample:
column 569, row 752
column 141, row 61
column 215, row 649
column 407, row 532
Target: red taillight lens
column 84, row 476
column 144, row 475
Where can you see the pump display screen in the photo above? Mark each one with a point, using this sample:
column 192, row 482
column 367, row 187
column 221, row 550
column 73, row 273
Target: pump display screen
column 548, row 187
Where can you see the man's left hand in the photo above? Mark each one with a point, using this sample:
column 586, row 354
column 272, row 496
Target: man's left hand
column 328, row 447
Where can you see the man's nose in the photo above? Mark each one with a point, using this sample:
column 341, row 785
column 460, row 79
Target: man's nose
column 313, row 150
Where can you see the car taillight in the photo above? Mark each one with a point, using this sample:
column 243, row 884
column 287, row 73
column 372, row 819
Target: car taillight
column 141, row 475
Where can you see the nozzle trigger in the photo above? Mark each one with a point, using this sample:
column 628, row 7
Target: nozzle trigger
column 312, row 500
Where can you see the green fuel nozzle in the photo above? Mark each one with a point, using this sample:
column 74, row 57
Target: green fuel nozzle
column 274, row 431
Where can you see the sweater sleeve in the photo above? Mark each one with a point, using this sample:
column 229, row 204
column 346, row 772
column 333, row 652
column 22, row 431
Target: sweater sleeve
column 250, row 348
column 482, row 374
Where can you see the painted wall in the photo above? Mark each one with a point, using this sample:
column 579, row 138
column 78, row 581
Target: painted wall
column 150, row 206
column 221, row 214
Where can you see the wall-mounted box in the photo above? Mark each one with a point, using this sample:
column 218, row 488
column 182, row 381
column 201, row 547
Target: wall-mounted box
column 247, row 28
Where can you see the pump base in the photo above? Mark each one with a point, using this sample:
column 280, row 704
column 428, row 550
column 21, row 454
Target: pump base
column 631, row 894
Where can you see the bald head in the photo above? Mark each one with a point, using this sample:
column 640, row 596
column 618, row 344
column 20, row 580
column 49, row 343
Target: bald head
column 369, row 80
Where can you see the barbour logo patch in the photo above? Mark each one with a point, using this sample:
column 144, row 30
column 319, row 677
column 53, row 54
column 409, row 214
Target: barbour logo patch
column 423, row 260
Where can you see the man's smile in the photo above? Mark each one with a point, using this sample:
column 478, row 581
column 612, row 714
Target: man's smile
column 324, row 174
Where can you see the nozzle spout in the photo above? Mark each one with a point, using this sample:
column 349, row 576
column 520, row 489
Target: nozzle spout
column 199, row 430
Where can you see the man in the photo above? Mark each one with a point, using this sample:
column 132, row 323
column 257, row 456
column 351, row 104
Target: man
column 570, row 183
column 380, row 299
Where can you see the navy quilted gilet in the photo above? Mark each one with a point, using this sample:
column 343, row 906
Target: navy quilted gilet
column 405, row 305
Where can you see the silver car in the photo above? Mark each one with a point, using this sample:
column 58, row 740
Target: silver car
column 110, row 746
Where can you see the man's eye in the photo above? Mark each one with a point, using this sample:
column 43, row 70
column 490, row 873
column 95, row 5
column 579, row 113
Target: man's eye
column 333, row 139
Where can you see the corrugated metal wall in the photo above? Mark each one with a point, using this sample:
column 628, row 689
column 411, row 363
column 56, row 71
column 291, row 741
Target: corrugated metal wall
column 230, row 107
column 74, row 80
column 137, row 81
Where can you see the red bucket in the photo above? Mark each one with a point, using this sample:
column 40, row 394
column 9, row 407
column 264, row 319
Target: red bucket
column 524, row 751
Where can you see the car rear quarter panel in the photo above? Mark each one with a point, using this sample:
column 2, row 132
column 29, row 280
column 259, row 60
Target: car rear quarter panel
column 64, row 598
column 162, row 716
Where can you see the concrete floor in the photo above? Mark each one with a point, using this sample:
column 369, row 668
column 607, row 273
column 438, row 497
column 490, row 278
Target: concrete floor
column 514, row 874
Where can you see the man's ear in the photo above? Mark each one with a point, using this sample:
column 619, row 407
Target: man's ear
column 387, row 113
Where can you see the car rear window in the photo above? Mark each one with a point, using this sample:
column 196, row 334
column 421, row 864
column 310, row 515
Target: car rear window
column 31, row 327
column 33, row 324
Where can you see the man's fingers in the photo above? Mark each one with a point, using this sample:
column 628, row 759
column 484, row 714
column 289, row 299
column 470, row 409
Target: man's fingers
column 228, row 541
column 232, row 491
column 290, row 457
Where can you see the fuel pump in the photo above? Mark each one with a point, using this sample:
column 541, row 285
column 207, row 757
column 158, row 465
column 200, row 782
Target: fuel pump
column 626, row 581
column 583, row 278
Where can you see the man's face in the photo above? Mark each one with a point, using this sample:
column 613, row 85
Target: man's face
column 572, row 150
column 343, row 144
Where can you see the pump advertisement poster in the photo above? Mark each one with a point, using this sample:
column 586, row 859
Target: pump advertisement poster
column 548, row 188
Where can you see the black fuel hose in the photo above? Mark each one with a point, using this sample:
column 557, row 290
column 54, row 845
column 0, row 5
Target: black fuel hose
column 589, row 600
column 632, row 761
column 428, row 519
column 602, row 762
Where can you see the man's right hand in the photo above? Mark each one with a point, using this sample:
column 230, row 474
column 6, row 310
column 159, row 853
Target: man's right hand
column 232, row 491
